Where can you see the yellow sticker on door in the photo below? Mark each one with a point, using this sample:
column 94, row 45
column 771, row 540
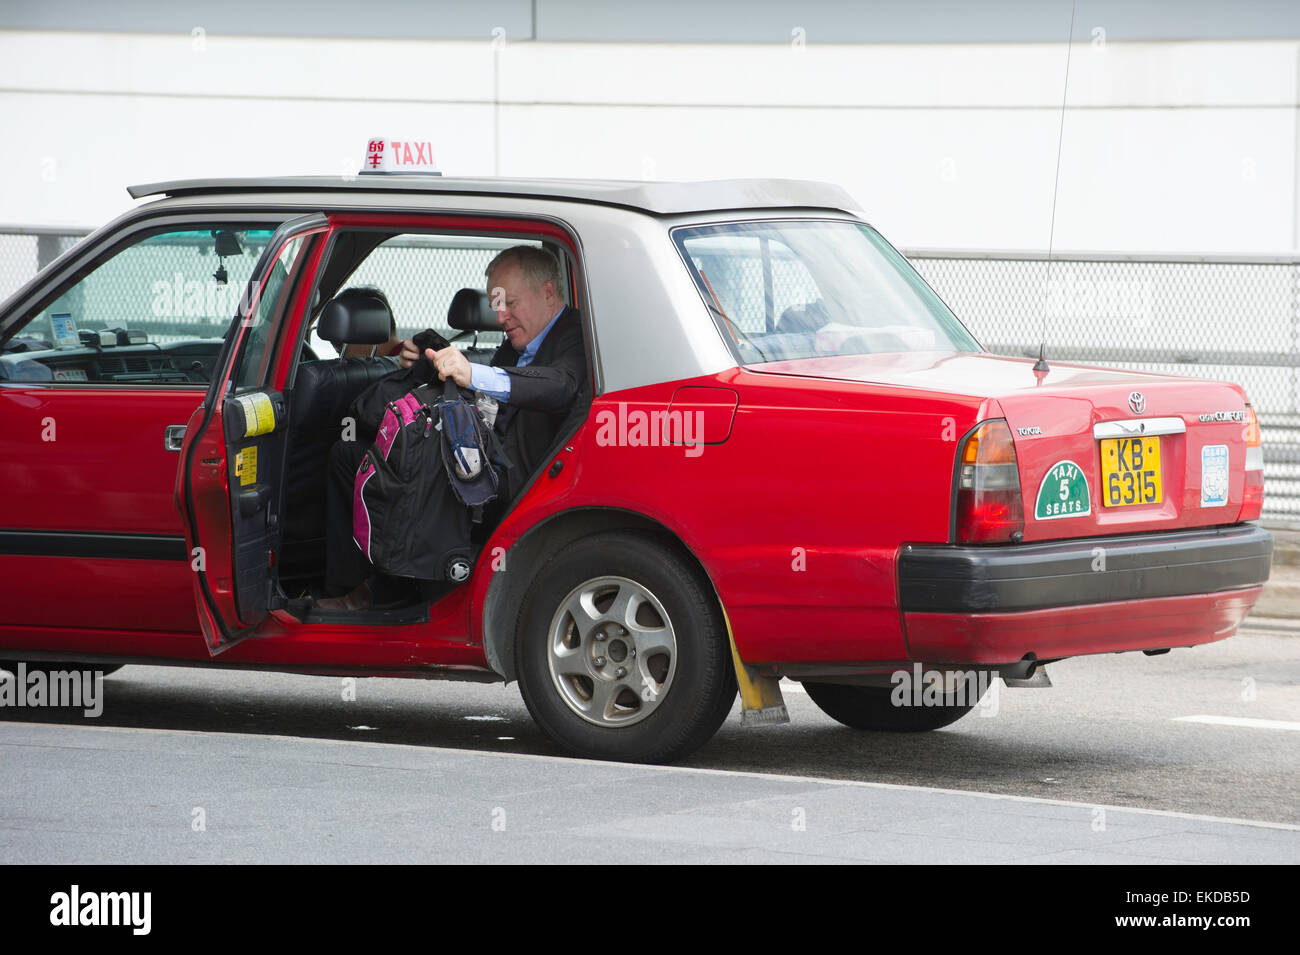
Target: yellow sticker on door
column 246, row 466
column 259, row 416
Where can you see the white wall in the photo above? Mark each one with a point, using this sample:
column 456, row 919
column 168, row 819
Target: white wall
column 1166, row 146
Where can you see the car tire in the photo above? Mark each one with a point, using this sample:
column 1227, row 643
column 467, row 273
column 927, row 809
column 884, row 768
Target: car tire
column 49, row 666
column 621, row 651
column 871, row 708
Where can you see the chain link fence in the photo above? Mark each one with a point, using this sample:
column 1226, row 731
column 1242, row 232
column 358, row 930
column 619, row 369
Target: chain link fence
column 1223, row 317
column 24, row 251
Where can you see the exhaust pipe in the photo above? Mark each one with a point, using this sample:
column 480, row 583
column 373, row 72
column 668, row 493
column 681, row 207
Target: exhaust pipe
column 1029, row 673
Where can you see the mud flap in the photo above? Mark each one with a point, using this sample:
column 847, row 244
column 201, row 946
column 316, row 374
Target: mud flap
column 760, row 696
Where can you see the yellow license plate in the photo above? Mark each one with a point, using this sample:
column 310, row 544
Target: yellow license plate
column 1130, row 472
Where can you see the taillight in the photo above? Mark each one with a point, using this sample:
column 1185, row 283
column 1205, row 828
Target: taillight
column 989, row 509
column 1252, row 494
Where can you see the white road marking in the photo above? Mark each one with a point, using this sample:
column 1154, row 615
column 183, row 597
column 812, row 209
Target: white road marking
column 1240, row 721
column 575, row 762
column 793, row 686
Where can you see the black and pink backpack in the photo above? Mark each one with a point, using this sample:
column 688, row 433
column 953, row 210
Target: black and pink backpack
column 423, row 482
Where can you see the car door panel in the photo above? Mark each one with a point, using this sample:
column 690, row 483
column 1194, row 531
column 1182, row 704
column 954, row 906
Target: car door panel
column 90, row 539
column 254, row 426
column 227, row 487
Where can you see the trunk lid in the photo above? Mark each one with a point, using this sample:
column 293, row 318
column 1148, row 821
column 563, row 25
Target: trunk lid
column 1099, row 451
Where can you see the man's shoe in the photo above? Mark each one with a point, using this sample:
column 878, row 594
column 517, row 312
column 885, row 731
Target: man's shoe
column 359, row 599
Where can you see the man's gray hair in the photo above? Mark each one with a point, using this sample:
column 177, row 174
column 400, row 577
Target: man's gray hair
column 538, row 266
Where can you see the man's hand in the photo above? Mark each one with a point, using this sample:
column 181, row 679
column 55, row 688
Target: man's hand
column 451, row 363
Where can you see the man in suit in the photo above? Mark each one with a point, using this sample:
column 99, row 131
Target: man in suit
column 535, row 376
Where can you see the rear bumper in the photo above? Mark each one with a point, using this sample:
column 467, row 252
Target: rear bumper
column 1094, row 595
column 1086, row 571
column 1004, row 638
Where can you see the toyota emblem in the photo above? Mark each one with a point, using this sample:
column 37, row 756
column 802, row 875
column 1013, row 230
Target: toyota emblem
column 1137, row 402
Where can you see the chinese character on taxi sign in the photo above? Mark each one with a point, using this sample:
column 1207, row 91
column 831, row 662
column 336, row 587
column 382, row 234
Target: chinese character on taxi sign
column 398, row 155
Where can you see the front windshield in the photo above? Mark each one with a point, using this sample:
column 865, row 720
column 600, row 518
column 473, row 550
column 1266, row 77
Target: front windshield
column 795, row 288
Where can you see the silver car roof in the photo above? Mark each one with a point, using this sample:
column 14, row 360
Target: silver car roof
column 648, row 321
column 657, row 198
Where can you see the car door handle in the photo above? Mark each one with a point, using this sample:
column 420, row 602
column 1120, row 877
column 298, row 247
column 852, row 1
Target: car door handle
column 174, row 437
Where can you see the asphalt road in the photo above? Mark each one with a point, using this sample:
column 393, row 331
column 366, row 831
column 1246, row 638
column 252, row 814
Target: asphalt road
column 79, row 794
column 1113, row 730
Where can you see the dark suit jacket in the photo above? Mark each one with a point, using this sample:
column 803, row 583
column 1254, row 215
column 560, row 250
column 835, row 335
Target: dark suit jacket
column 541, row 395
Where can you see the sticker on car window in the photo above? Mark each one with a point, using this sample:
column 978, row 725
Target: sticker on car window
column 1214, row 475
column 65, row 330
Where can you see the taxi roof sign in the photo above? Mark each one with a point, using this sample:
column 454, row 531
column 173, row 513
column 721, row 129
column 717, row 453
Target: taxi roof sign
column 399, row 155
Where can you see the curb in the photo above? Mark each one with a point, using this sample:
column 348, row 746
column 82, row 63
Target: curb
column 1286, row 546
column 1281, row 596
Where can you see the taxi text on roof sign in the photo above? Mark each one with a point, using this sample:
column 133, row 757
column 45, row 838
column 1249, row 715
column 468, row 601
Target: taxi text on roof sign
column 399, row 155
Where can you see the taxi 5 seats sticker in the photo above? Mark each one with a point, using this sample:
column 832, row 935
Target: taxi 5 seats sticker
column 1063, row 493
column 1214, row 475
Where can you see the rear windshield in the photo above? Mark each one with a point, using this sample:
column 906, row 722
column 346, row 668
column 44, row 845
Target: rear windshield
column 783, row 289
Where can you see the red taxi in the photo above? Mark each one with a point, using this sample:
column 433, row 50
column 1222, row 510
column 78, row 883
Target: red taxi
column 792, row 461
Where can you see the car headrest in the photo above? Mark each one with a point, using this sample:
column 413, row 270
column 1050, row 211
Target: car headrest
column 470, row 311
column 355, row 319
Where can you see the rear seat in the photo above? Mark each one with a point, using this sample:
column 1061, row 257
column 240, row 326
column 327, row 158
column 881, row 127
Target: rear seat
column 322, row 392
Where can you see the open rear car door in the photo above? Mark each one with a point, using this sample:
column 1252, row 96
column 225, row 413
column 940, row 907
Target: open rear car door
column 227, row 484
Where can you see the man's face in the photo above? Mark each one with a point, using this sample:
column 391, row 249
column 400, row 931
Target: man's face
column 523, row 309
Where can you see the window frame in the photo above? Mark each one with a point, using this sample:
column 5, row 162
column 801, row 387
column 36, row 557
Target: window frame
column 98, row 248
column 279, row 307
column 720, row 323
column 469, row 223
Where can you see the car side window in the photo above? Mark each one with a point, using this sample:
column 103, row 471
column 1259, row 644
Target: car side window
column 810, row 288
column 153, row 313
column 756, row 279
column 252, row 366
